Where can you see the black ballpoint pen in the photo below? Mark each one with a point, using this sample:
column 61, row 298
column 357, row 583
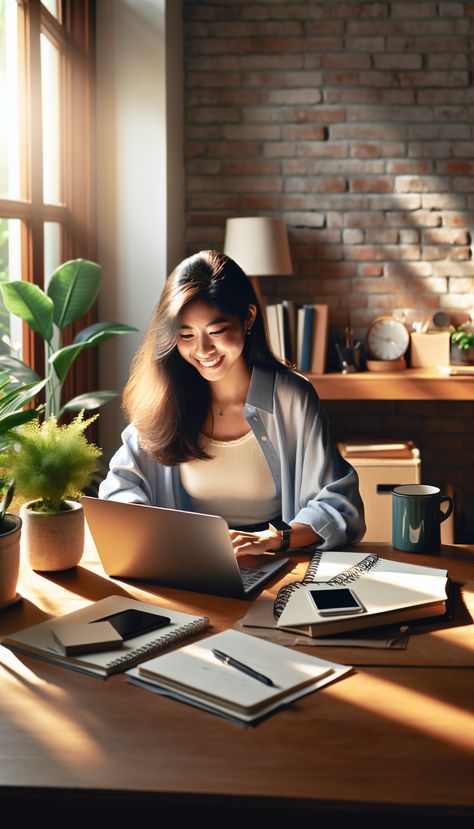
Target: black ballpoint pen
column 239, row 666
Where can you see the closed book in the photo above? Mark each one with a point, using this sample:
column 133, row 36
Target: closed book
column 39, row 641
column 193, row 674
column 319, row 338
column 273, row 329
column 307, row 338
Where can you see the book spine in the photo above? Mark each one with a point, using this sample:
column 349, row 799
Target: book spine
column 121, row 663
column 306, row 348
column 341, row 580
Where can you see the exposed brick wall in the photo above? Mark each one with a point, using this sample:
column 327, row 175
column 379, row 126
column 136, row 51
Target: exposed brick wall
column 355, row 122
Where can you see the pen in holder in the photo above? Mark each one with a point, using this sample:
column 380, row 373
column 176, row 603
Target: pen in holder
column 350, row 358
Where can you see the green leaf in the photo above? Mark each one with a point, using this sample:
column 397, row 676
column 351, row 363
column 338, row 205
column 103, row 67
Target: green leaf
column 63, row 359
column 89, row 400
column 20, row 371
column 10, row 421
column 31, row 304
column 102, row 331
column 18, row 397
column 73, row 288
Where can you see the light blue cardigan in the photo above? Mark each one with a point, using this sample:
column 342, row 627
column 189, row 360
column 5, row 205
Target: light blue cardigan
column 317, row 486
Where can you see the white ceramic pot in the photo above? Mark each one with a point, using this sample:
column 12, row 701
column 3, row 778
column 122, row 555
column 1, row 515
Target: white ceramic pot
column 9, row 559
column 53, row 541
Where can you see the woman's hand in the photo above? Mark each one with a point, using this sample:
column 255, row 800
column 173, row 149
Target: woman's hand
column 254, row 543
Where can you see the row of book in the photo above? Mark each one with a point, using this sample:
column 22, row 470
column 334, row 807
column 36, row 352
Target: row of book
column 299, row 334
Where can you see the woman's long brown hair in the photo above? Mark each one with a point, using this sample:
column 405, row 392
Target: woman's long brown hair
column 165, row 397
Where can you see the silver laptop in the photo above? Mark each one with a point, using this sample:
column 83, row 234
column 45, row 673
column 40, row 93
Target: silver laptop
column 187, row 550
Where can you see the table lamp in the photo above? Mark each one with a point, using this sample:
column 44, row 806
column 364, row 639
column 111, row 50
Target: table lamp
column 259, row 244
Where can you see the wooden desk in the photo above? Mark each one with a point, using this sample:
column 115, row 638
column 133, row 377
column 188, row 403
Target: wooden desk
column 389, row 743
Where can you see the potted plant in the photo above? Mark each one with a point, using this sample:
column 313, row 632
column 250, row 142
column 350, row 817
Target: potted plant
column 462, row 345
column 72, row 289
column 51, row 464
column 13, row 397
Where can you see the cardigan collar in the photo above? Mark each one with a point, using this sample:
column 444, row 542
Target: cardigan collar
column 260, row 394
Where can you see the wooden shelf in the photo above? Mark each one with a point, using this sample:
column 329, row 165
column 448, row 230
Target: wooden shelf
column 410, row 384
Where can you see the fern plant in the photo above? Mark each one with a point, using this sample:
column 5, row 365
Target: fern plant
column 50, row 462
column 463, row 338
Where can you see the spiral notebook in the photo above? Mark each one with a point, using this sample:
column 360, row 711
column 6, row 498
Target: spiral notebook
column 38, row 640
column 391, row 592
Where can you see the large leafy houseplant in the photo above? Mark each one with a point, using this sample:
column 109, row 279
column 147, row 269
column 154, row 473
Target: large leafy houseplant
column 13, row 398
column 72, row 289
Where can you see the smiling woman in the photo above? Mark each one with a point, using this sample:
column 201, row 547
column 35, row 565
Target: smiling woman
column 219, row 426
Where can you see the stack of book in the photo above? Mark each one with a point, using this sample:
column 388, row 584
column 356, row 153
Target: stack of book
column 299, row 335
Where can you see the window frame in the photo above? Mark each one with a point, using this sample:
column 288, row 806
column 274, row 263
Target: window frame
column 75, row 38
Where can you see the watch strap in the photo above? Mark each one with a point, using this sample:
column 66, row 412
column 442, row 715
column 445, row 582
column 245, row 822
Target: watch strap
column 284, row 530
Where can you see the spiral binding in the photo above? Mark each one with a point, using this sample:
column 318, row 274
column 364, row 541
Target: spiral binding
column 156, row 645
column 346, row 577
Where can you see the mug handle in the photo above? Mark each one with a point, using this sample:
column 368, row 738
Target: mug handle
column 445, row 515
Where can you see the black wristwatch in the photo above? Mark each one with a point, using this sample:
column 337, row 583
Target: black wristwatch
column 284, row 530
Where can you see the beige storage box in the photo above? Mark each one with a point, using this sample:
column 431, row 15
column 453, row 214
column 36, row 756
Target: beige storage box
column 430, row 350
column 380, row 467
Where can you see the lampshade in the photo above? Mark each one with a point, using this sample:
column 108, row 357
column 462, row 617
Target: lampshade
column 259, row 244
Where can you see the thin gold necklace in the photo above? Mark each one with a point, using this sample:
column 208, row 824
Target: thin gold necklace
column 223, row 406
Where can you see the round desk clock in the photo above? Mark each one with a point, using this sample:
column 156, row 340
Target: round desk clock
column 387, row 341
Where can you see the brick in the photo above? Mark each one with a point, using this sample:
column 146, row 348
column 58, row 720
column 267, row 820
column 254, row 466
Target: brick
column 456, row 167
column 410, row 167
column 233, row 167
column 310, row 149
column 304, row 219
column 460, row 253
column 304, row 132
column 403, row 202
column 379, row 286
column 279, row 62
column 200, row 79
column 294, row 96
column 283, row 78
column 279, row 149
column 443, row 201
column 424, row 218
column 461, row 286
column 213, row 201
column 365, row 150
column 213, row 115
column 371, row 185
column 252, row 132
column 435, row 149
column 427, row 184
column 376, row 236
column 446, row 236
column 409, row 237
column 257, row 202
column 457, row 301
column 371, row 270
column 383, row 253
column 315, row 185
column 453, row 219
column 232, row 149
column 398, row 61
column 364, row 220
column 353, row 236
column 350, row 95
column 356, row 60
column 412, row 269
column 203, row 165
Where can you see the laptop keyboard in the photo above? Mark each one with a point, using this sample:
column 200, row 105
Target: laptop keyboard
column 250, row 576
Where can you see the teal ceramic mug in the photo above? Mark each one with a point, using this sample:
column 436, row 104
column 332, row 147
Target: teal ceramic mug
column 417, row 516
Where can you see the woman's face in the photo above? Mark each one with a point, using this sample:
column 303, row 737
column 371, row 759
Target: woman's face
column 211, row 341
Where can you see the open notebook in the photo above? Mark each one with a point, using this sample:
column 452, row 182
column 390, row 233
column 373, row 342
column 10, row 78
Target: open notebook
column 390, row 592
column 193, row 674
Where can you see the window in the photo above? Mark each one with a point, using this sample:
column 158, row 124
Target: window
column 46, row 198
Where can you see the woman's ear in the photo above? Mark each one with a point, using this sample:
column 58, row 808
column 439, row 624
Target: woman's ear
column 250, row 318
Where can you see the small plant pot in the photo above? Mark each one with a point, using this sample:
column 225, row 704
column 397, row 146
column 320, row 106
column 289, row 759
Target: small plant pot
column 9, row 560
column 53, row 541
column 461, row 356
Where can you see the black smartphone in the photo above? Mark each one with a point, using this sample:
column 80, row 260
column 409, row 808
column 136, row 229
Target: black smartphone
column 130, row 623
column 335, row 601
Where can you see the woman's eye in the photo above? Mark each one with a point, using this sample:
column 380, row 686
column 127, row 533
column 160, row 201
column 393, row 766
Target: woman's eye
column 216, row 333
column 186, row 336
